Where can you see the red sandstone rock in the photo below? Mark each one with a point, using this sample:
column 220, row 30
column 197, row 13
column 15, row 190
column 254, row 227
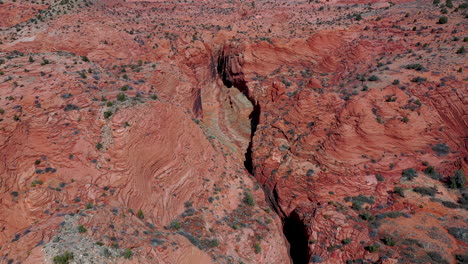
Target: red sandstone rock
column 226, row 132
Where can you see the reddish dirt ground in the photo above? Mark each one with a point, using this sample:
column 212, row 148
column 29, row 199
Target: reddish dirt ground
column 233, row 131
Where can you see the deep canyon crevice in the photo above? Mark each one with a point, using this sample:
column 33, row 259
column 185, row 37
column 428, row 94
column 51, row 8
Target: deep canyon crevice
column 294, row 229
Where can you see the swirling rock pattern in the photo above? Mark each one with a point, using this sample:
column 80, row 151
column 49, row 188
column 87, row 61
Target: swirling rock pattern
column 232, row 131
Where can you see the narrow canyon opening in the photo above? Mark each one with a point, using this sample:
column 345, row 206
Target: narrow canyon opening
column 296, row 234
column 294, row 228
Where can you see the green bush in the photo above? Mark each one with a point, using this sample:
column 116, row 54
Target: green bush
column 443, row 20
column 121, row 97
column 426, row 191
column 107, row 114
column 373, row 78
column 346, row 241
column 461, row 50
column 399, row 191
column 415, row 66
column 372, row 248
column 175, row 225
column 441, row 149
column 82, row 229
column 65, row 258
column 248, row 199
column 457, row 180
column 127, row 253
column 418, row 79
column 140, row 214
column 431, row 172
column 99, row 146
column 449, row 4
column 367, row 216
column 257, row 248
column 409, row 174
column 388, row 241
column 379, row 177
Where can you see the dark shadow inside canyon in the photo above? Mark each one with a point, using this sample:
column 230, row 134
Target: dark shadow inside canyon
column 293, row 228
column 296, row 234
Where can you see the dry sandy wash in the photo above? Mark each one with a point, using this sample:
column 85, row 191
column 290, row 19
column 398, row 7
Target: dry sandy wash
column 233, row 131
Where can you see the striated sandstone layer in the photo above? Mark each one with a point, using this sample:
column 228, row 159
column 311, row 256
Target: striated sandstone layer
column 233, row 132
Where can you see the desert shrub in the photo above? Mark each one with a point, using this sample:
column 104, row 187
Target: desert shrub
column 257, row 248
column 310, row 173
column 106, row 252
column 441, row 149
column 426, row 191
column 459, row 233
column 107, row 114
column 461, row 50
column 175, row 225
column 99, row 146
column 372, row 248
column 121, row 97
column 44, row 61
column 82, row 229
column 359, row 201
column 389, row 241
column 393, row 214
column 127, row 254
column 418, row 79
column 399, row 191
column 450, row 205
column 64, row 258
column 409, row 174
column 367, row 216
column 70, row 107
column 443, row 20
column 449, row 4
column 346, row 241
column 210, row 243
column 140, row 214
column 457, row 180
column 396, row 82
column 248, row 199
column 373, row 78
column 415, row 66
column 379, row 177
column 436, row 257
column 431, row 172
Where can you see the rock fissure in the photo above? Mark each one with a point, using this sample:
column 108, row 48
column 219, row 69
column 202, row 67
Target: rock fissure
column 294, row 228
